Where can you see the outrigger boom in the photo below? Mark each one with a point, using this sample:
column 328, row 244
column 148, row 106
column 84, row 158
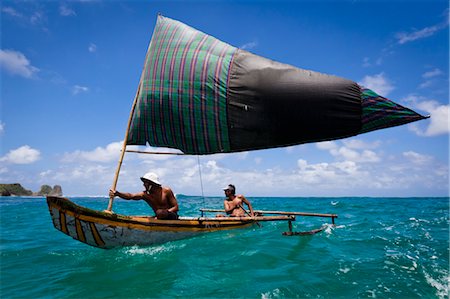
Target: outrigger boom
column 287, row 213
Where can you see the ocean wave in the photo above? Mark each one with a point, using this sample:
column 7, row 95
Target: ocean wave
column 136, row 250
column 441, row 284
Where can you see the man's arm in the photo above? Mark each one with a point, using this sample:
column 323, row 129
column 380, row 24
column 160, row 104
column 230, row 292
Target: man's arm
column 172, row 201
column 248, row 204
column 228, row 206
column 127, row 196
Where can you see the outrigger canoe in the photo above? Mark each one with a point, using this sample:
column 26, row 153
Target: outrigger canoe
column 105, row 230
column 202, row 96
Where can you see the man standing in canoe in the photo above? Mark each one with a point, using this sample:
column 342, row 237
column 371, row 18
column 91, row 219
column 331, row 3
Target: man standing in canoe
column 233, row 203
column 160, row 199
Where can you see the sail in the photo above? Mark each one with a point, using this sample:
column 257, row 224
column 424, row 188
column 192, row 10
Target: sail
column 203, row 96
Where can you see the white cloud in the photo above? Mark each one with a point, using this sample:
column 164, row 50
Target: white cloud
column 100, row 154
column 2, row 128
column 417, row 158
column 430, row 77
column 347, row 154
column 22, row 155
column 38, row 18
column 326, row 145
column 249, row 46
column 92, row 47
column 34, row 16
column 433, row 73
column 66, row 11
column 406, row 37
column 16, row 63
column 12, row 12
column 79, row 89
column 359, row 144
column 378, row 83
column 355, row 150
column 438, row 122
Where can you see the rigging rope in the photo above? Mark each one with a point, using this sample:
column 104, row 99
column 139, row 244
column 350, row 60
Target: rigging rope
column 201, row 179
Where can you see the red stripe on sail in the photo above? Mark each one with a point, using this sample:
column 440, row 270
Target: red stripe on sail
column 171, row 91
column 217, row 96
column 161, row 86
column 203, row 94
column 192, row 91
column 180, row 87
column 153, row 89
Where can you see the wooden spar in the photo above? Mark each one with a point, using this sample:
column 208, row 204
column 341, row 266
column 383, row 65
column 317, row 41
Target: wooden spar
column 155, row 153
column 124, row 146
column 282, row 213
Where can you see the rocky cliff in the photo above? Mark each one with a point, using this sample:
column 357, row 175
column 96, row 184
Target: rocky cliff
column 17, row 190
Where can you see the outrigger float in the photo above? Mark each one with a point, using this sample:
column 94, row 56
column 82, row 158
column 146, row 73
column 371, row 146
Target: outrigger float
column 202, row 96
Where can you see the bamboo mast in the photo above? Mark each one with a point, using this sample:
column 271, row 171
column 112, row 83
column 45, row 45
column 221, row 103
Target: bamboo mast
column 124, row 145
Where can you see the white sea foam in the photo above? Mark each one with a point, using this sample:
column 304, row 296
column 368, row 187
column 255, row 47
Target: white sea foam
column 344, row 270
column 271, row 294
column 442, row 288
column 334, row 203
column 135, row 250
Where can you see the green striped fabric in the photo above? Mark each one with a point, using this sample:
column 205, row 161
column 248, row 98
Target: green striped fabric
column 182, row 100
column 379, row 112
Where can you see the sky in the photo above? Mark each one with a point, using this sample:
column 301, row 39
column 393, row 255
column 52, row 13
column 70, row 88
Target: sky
column 70, row 70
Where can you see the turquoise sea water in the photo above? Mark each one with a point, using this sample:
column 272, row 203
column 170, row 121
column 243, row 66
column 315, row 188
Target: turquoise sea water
column 380, row 248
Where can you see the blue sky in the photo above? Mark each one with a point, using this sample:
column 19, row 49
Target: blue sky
column 70, row 70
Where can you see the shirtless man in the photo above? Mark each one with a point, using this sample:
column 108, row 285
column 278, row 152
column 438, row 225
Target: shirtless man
column 233, row 203
column 160, row 199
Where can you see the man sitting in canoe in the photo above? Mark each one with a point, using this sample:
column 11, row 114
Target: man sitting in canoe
column 233, row 203
column 160, row 199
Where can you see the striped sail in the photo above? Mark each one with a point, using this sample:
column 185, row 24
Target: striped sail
column 203, row 96
column 182, row 97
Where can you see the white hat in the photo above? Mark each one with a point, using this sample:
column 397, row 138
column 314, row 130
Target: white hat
column 230, row 187
column 151, row 176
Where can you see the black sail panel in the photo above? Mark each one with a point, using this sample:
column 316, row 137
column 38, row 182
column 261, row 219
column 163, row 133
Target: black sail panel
column 271, row 104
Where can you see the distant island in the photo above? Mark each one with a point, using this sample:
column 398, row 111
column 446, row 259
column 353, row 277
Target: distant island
column 17, row 190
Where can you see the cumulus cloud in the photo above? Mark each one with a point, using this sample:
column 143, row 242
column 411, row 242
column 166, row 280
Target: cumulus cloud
column 100, row 154
column 417, row 158
column 378, row 83
column 22, row 155
column 326, row 145
column 438, row 123
column 355, row 150
column 77, row 89
column 16, row 63
column 360, row 144
column 2, row 128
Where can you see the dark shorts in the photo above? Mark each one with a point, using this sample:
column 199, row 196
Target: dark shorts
column 172, row 216
column 166, row 215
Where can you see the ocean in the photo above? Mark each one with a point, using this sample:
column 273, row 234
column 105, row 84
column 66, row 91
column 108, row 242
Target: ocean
column 379, row 248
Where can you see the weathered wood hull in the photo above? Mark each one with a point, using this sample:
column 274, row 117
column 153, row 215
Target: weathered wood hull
column 103, row 230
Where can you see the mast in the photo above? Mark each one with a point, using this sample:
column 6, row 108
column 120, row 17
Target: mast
column 124, row 145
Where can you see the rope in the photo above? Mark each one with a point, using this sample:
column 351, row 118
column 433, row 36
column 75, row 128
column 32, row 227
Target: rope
column 201, row 179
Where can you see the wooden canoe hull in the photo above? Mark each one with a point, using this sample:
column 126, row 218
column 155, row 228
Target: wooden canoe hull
column 103, row 230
